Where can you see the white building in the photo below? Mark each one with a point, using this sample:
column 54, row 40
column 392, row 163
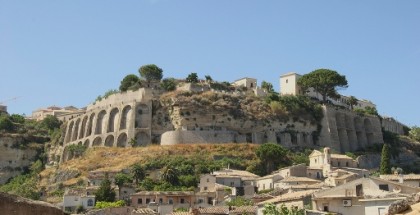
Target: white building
column 75, row 198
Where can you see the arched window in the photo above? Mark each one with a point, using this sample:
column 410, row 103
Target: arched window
column 90, row 202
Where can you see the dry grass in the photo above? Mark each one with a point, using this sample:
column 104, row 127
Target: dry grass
column 114, row 159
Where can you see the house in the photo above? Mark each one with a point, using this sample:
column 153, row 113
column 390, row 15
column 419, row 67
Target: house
column 361, row 196
column 242, row 181
column 327, row 161
column 251, row 84
column 410, row 179
column 267, row 182
column 175, row 199
column 295, row 199
column 340, row 176
column 287, row 182
column 62, row 114
column 74, row 198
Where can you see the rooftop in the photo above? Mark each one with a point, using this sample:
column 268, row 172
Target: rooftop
column 288, row 197
column 397, row 177
column 298, row 179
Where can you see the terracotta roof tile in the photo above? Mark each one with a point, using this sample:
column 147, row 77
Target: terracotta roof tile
column 396, row 177
column 298, row 179
column 289, row 196
column 214, row 210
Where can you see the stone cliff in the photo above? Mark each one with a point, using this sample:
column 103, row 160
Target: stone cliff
column 15, row 205
column 17, row 152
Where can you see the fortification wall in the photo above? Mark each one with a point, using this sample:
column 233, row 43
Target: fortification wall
column 392, row 125
column 344, row 130
column 121, row 120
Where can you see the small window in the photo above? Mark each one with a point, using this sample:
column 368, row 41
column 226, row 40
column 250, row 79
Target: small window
column 338, row 163
column 139, row 201
column 147, row 201
column 160, row 200
column 384, row 187
column 232, row 183
column 287, row 81
column 182, row 201
column 170, row 201
column 200, row 201
column 315, row 160
column 326, row 208
column 205, row 188
column 90, row 202
column 347, row 164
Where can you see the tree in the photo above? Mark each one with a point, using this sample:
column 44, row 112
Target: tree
column 51, row 122
column 138, row 172
column 16, row 118
column 323, row 81
column 352, row 101
column 415, row 133
column 168, row 84
column 5, row 123
column 271, row 155
column 121, row 179
column 271, row 209
column 267, row 86
column 128, row 81
column 170, row 175
column 192, row 78
column 385, row 160
column 208, row 79
column 105, row 192
column 151, row 72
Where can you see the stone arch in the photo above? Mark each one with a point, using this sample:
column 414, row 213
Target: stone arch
column 86, row 143
column 97, row 141
column 351, row 134
column 360, row 133
column 122, row 140
column 113, row 119
column 99, row 122
column 369, row 131
column 142, row 139
column 142, row 115
column 109, row 141
column 69, row 132
column 76, row 130
column 82, row 131
column 90, row 125
column 125, row 117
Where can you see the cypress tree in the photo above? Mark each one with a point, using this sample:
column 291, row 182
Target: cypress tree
column 385, row 160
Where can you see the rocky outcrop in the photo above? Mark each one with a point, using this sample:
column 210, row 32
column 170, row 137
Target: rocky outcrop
column 17, row 152
column 15, row 205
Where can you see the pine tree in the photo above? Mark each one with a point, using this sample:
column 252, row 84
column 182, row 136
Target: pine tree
column 105, row 192
column 385, row 160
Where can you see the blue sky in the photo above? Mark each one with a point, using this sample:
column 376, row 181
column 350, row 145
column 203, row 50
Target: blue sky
column 69, row 52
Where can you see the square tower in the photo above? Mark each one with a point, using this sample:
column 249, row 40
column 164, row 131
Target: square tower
column 288, row 84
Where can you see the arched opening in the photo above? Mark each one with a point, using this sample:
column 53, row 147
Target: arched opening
column 79, row 143
column 122, row 140
column 99, row 122
column 97, row 141
column 69, row 132
column 76, row 130
column 90, row 124
column 82, row 130
column 142, row 116
column 113, row 118
column 86, row 144
column 142, row 139
column 125, row 117
column 109, row 141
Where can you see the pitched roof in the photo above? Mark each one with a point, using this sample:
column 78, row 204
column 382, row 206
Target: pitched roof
column 143, row 211
column 298, row 179
column 289, row 197
column 340, row 156
column 244, row 209
column 235, row 173
column 315, row 153
column 214, row 210
column 181, row 213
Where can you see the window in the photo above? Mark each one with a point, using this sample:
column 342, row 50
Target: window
column 170, row 201
column 317, row 175
column 200, row 201
column 287, row 81
column 205, row 188
column 208, row 180
column 315, row 160
column 384, row 187
column 139, row 201
column 182, row 201
column 232, row 183
column 325, row 207
column 359, row 190
column 347, row 164
column 338, row 163
column 147, row 201
column 160, row 200
column 90, row 202
column 210, row 201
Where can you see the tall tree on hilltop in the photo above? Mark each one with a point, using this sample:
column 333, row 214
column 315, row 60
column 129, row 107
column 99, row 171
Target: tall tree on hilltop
column 323, row 81
column 128, row 81
column 352, row 101
column 192, row 78
column 271, row 155
column 267, row 86
column 385, row 160
column 151, row 72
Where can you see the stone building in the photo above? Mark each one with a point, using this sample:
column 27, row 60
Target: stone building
column 63, row 114
column 392, row 125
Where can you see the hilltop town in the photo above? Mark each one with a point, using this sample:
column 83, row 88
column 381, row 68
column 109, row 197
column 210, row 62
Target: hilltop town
column 205, row 147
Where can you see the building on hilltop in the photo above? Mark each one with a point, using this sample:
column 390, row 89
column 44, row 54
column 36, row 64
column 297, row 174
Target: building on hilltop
column 392, row 125
column 250, row 84
column 63, row 114
column 3, row 109
column 289, row 86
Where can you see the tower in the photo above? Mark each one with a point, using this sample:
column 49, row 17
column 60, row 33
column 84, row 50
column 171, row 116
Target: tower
column 326, row 167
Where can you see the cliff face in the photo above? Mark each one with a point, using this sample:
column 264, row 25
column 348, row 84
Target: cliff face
column 16, row 154
column 15, row 205
column 221, row 118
